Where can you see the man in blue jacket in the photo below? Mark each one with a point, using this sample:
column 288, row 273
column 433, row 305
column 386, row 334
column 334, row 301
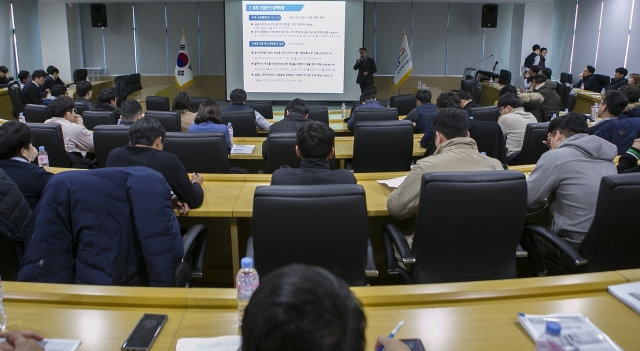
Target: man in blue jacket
column 588, row 79
column 422, row 116
column 368, row 100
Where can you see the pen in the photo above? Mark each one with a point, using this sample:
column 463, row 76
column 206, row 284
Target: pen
column 392, row 334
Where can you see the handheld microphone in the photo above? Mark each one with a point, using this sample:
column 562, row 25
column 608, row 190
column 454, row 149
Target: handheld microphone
column 494, row 66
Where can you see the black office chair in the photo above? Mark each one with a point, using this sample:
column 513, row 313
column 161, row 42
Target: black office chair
column 566, row 78
column 136, row 82
column 213, row 158
column 79, row 75
column 562, row 91
column 603, row 80
column 157, row 103
column 281, row 151
column 382, row 103
column 383, row 146
column 243, row 122
column 572, row 99
column 505, row 77
column 474, row 87
column 126, row 79
column 91, row 119
column 404, row 103
column 195, row 248
column 107, row 138
column 79, row 108
column 448, row 249
column 170, row 120
column 15, row 95
column 290, row 225
column 612, row 241
column 485, row 113
column 532, row 146
column 319, row 113
column 36, row 113
column 49, row 135
column 196, row 101
column 121, row 89
column 374, row 114
column 264, row 107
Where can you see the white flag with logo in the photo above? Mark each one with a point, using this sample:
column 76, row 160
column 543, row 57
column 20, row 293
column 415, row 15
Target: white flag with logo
column 404, row 67
column 183, row 74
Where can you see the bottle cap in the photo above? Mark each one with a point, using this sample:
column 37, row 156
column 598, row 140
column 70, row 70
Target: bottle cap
column 246, row 262
column 553, row 328
column 229, row 124
column 40, row 148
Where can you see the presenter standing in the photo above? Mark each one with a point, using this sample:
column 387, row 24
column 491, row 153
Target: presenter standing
column 366, row 68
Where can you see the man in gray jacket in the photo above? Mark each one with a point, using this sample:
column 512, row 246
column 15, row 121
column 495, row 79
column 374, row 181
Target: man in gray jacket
column 569, row 177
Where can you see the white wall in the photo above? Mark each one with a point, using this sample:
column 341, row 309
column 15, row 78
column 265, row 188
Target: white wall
column 54, row 37
column 537, row 28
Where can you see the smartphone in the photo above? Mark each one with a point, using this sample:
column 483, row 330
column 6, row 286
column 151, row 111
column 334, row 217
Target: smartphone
column 145, row 332
column 414, row 344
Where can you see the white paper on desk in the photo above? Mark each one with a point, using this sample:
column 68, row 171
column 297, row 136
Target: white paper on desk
column 57, row 344
column 628, row 294
column 393, row 183
column 242, row 149
column 221, row 343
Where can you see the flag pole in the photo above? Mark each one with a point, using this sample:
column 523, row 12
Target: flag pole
column 404, row 32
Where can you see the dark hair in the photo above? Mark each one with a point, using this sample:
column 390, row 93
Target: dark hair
column 508, row 89
column 209, row 111
column 632, row 93
column 424, row 96
column 129, row 110
column 569, row 125
column 145, row 131
column 315, row 140
column 182, row 102
column 622, row 71
column 615, row 101
column 543, row 49
column 299, row 106
column 60, row 106
column 535, row 69
column 362, row 49
column 451, row 122
column 448, row 99
column 636, row 79
column 52, row 69
column 465, row 95
column 539, row 78
column 535, row 47
column 4, row 69
column 39, row 73
column 372, row 89
column 106, row 95
column 510, row 99
column 23, row 75
column 83, row 88
column 14, row 136
column 367, row 95
column 238, row 96
column 301, row 307
column 591, row 69
column 58, row 90
column 547, row 72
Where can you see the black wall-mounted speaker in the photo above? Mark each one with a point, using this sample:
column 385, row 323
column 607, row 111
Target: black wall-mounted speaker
column 489, row 16
column 98, row 15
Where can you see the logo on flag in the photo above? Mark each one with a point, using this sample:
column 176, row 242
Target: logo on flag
column 404, row 67
column 183, row 74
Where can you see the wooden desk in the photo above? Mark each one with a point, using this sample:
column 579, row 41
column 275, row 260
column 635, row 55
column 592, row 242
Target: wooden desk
column 154, row 90
column 586, row 100
column 6, row 107
column 490, row 93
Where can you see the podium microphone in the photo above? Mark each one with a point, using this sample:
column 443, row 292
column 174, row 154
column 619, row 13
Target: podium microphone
column 481, row 60
column 494, row 66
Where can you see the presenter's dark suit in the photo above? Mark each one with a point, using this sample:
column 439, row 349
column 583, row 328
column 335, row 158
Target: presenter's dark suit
column 365, row 65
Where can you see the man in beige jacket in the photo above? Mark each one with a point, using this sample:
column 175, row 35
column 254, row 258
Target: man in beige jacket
column 513, row 121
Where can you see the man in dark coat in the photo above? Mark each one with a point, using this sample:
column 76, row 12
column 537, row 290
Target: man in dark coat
column 366, row 67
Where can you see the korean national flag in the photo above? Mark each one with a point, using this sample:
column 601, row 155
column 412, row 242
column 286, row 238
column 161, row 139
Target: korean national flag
column 183, row 74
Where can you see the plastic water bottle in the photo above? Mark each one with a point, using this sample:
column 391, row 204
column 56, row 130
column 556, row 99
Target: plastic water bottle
column 550, row 340
column 553, row 116
column 21, row 118
column 566, row 111
column 230, row 127
column 344, row 111
column 582, row 88
column 43, row 158
column 490, row 80
column 602, row 92
column 247, row 282
column 3, row 316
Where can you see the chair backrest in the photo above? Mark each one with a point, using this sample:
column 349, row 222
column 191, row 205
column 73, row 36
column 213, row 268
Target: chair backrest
column 603, row 80
column 485, row 113
column 612, row 241
column 562, row 91
column 572, row 99
column 213, row 159
column 36, row 113
column 79, row 108
column 121, row 89
column 136, row 82
column 127, row 84
column 79, row 75
column 243, row 122
column 489, row 139
column 383, row 146
column 170, row 120
column 157, row 103
column 290, row 225
column 281, row 151
column 532, row 146
column 472, row 86
column 566, row 78
column 483, row 245
column 319, row 113
column 107, row 138
column 91, row 119
column 505, row 77
column 263, row 106
column 15, row 94
column 196, row 101
column 404, row 103
column 50, row 136
column 374, row 114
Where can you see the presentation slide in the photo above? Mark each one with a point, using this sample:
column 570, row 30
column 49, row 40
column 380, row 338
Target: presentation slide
column 293, row 46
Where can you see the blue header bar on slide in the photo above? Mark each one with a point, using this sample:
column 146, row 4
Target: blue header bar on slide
column 274, row 7
column 265, row 17
column 267, row 43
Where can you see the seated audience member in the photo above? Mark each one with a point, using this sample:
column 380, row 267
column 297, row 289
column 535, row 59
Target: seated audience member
column 5, row 77
column 295, row 116
column 547, row 88
column 16, row 154
column 146, row 137
column 107, row 99
column 368, row 89
column 613, row 103
column 628, row 162
column 634, row 79
column 633, row 108
column 84, row 89
column 130, row 112
column 535, row 69
column 446, row 99
column 422, row 116
column 547, row 73
column 568, row 176
column 508, row 89
column 56, row 91
column 367, row 100
column 77, row 139
column 619, row 79
column 33, row 92
column 314, row 144
column 302, row 307
column 513, row 121
column 588, row 79
column 208, row 120
column 53, row 78
column 24, row 77
column 21, row 341
column 182, row 104
column 238, row 99
column 456, row 152
column 466, row 100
